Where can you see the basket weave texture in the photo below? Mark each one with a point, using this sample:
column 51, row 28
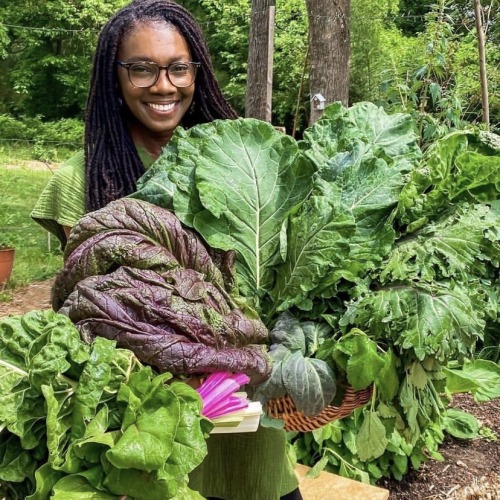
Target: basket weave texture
column 284, row 409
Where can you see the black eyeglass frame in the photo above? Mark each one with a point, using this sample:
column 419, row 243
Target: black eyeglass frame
column 159, row 67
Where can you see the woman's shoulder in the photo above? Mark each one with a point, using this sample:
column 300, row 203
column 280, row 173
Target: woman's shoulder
column 74, row 166
column 62, row 201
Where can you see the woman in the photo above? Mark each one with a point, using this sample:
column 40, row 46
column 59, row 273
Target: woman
column 126, row 125
column 152, row 73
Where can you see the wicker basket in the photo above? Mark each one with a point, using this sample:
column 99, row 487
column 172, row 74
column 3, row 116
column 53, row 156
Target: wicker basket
column 284, row 409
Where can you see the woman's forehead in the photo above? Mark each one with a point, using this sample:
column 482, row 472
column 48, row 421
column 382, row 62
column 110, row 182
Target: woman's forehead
column 154, row 40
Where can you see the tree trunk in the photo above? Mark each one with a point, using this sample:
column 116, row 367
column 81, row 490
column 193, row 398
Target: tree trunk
column 329, row 50
column 260, row 61
column 478, row 12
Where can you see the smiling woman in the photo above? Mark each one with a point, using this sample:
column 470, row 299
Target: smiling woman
column 129, row 117
column 151, row 74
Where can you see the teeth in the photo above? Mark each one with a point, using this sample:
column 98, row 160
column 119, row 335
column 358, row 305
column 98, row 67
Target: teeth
column 162, row 107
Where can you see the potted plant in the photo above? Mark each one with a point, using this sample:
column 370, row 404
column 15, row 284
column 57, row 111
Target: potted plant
column 7, row 252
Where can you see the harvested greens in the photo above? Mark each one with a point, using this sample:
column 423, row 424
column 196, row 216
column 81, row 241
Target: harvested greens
column 393, row 248
column 369, row 260
column 90, row 421
column 134, row 275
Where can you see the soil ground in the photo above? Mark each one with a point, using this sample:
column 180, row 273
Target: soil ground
column 470, row 470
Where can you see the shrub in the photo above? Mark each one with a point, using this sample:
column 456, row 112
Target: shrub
column 68, row 131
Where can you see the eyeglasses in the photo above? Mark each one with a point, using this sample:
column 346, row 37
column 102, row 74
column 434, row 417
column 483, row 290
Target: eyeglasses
column 145, row 74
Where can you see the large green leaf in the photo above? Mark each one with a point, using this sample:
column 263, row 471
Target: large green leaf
column 460, row 424
column 442, row 321
column 318, row 243
column 371, row 440
column 454, row 169
column 364, row 127
column 458, row 246
column 249, row 177
column 479, row 377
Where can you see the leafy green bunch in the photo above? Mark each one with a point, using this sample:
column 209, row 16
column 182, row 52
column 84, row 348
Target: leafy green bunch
column 81, row 421
column 394, row 248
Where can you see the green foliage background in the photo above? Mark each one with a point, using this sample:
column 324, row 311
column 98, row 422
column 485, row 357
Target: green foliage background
column 46, row 50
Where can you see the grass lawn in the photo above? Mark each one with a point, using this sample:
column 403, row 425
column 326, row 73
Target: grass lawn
column 38, row 257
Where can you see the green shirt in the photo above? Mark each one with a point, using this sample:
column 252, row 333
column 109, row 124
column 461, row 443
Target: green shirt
column 62, row 202
column 244, row 466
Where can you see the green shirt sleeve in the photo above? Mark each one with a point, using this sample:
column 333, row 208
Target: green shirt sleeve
column 62, row 201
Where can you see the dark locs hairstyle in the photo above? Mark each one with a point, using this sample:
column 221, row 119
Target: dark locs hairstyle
column 112, row 164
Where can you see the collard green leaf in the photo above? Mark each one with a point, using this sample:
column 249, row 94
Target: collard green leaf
column 453, row 170
column 318, row 243
column 457, row 246
column 155, row 185
column 393, row 133
column 443, row 321
column 309, row 382
column 288, row 332
column 339, row 129
column 186, row 203
column 316, row 333
column 170, row 182
column 274, row 387
column 249, row 177
column 370, row 191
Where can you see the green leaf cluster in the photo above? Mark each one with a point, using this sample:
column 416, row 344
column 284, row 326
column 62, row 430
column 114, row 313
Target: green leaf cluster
column 394, row 248
column 89, row 421
column 308, row 380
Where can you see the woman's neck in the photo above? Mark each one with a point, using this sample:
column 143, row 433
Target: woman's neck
column 153, row 145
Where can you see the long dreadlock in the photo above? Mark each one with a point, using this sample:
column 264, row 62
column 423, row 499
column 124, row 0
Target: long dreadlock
column 111, row 160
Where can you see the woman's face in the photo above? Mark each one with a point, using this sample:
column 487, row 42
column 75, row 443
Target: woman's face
column 158, row 109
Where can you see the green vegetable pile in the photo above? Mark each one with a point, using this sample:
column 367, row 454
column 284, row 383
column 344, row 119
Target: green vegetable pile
column 391, row 248
column 80, row 421
column 370, row 260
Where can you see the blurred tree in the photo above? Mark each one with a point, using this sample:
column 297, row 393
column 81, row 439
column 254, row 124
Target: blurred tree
column 49, row 47
column 259, row 88
column 226, row 26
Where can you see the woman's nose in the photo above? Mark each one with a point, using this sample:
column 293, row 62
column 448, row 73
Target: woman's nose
column 163, row 84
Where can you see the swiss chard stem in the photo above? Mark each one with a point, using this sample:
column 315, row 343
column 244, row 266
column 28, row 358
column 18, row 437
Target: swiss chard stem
column 13, row 368
column 72, row 383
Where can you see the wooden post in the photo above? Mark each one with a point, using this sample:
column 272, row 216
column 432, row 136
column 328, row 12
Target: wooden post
column 258, row 102
column 478, row 12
